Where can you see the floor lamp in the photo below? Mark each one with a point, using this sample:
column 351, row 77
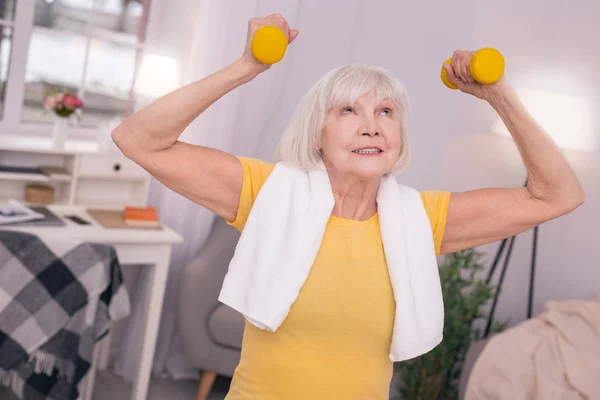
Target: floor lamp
column 499, row 252
column 567, row 116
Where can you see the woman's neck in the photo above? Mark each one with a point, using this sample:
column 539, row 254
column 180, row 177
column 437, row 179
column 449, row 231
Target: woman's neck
column 355, row 198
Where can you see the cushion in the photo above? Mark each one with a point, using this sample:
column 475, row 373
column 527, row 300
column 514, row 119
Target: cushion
column 226, row 327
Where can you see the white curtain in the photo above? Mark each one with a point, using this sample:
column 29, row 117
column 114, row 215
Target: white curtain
column 234, row 124
column 399, row 36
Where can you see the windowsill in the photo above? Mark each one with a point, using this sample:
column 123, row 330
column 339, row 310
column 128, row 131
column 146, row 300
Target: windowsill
column 27, row 143
column 43, row 144
column 42, row 130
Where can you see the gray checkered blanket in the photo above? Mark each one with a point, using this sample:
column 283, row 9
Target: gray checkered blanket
column 57, row 298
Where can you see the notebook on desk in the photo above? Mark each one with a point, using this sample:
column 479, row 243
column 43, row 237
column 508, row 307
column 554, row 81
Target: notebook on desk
column 50, row 219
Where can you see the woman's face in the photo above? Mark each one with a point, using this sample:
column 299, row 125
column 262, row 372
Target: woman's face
column 362, row 139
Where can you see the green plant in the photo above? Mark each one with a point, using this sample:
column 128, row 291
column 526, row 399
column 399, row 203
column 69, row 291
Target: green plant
column 436, row 374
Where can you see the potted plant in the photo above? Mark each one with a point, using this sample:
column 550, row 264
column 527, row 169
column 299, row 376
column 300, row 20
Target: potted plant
column 63, row 105
column 436, row 374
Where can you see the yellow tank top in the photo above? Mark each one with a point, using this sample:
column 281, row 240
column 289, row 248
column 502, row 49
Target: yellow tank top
column 335, row 342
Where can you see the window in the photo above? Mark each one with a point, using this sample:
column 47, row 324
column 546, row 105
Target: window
column 89, row 47
column 7, row 18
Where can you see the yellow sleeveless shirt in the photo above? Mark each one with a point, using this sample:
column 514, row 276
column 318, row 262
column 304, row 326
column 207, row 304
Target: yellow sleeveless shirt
column 335, row 342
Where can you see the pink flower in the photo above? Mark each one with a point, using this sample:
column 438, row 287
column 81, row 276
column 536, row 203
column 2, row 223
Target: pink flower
column 50, row 103
column 59, row 97
column 71, row 102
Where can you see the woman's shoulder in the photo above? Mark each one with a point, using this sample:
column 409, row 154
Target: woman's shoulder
column 435, row 202
column 252, row 161
column 256, row 169
column 255, row 173
column 436, row 205
column 256, row 165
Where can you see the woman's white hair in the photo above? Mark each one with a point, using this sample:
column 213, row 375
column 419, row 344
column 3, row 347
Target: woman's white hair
column 300, row 143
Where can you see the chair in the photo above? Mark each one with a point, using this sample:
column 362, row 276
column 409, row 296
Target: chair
column 211, row 332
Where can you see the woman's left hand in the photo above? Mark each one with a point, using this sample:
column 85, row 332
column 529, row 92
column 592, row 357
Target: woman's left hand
column 459, row 74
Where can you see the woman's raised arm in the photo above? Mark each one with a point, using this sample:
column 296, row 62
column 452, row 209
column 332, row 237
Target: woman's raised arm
column 150, row 137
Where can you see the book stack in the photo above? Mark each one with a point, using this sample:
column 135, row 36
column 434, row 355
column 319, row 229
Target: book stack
column 126, row 218
column 141, row 217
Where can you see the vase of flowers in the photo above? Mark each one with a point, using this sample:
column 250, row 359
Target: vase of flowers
column 63, row 105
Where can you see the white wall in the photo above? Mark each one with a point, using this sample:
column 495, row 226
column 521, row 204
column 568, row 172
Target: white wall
column 551, row 45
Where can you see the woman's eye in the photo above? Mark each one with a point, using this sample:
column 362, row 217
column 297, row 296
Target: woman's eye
column 387, row 111
column 347, row 110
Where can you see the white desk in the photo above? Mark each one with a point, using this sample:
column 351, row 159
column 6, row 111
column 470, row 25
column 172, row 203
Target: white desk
column 134, row 246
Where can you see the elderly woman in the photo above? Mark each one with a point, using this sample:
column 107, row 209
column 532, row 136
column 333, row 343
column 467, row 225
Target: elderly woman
column 334, row 341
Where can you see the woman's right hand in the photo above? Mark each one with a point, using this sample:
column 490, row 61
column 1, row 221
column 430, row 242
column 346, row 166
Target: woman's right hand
column 253, row 25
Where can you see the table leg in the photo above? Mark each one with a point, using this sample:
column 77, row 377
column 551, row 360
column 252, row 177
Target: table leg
column 158, row 281
column 86, row 388
column 104, row 353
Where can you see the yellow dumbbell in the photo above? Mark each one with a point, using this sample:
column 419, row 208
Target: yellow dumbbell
column 487, row 66
column 269, row 44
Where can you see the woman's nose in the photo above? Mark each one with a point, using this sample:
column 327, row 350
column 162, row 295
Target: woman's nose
column 370, row 133
column 369, row 126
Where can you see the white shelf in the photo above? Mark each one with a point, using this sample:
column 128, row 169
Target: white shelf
column 90, row 179
column 4, row 199
column 17, row 176
column 60, row 178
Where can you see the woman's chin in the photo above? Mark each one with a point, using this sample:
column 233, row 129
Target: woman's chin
column 368, row 167
column 371, row 169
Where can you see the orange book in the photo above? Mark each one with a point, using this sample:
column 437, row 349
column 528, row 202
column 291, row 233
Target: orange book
column 141, row 216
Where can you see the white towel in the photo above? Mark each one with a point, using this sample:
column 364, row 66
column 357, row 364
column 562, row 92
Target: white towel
column 283, row 234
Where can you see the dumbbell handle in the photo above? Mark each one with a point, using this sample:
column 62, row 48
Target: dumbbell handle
column 487, row 66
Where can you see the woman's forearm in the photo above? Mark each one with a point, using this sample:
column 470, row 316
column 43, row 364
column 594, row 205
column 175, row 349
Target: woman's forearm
column 549, row 176
column 159, row 125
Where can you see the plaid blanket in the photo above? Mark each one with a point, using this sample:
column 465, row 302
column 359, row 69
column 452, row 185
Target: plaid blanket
column 57, row 298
